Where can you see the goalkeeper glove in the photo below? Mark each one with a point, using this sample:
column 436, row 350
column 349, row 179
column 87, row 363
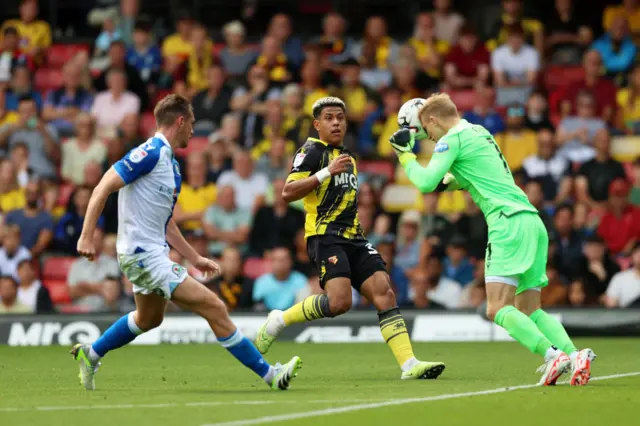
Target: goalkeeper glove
column 448, row 178
column 402, row 142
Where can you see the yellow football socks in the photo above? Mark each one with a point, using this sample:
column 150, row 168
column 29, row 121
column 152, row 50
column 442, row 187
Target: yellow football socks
column 394, row 332
column 312, row 308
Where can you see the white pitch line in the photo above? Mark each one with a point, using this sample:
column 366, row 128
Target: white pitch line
column 349, row 408
column 174, row 405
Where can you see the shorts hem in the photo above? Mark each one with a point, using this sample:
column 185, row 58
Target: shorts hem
column 509, row 280
column 325, row 279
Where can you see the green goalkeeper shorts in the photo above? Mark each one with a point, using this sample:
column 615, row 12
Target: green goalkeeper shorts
column 517, row 252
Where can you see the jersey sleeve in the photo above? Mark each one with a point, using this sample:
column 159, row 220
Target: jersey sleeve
column 428, row 179
column 138, row 162
column 305, row 163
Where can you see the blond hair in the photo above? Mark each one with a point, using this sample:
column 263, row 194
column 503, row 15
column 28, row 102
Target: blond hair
column 438, row 105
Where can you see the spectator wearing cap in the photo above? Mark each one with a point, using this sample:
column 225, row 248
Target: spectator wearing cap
column 212, row 102
column 456, row 265
column 467, row 63
column 41, row 139
column 144, row 54
column 517, row 142
column 567, row 35
column 379, row 125
column 549, row 168
column 91, row 283
column 225, row 223
column 112, row 105
column 616, row 48
column 133, row 82
column 9, row 303
column 630, row 9
column 431, row 289
column 236, row 56
column 31, row 292
column 602, row 89
column 576, row 133
column 12, row 252
column 35, row 34
column 281, row 29
column 10, row 55
column 63, row 105
column 196, row 195
column 282, row 287
column 593, row 272
column 35, row 223
column 81, row 149
column 333, row 42
column 429, row 50
column 232, row 286
column 276, row 225
column 200, row 59
column 20, row 87
column 624, row 289
column 512, row 13
column 628, row 102
column 594, row 177
column 448, row 22
column 67, row 231
column 250, row 186
column 385, row 50
column 483, row 112
column 620, row 225
column 515, row 66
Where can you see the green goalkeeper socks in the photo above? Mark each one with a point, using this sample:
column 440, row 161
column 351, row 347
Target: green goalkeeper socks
column 553, row 330
column 523, row 329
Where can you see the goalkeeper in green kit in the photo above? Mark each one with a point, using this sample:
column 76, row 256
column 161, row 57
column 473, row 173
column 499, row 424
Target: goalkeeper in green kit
column 467, row 157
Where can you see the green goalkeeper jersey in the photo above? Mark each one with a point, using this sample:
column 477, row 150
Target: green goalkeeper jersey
column 471, row 155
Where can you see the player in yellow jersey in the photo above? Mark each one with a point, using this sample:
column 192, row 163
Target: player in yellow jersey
column 324, row 174
column 467, row 157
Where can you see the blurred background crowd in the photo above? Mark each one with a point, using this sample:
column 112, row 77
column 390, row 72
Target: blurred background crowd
column 556, row 82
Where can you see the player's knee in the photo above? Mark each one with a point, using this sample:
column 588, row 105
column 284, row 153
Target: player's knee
column 339, row 304
column 386, row 299
column 149, row 321
column 492, row 310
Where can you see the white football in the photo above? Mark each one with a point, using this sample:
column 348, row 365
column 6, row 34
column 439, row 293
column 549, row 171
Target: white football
column 408, row 117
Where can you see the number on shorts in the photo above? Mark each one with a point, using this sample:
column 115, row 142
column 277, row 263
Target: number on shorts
column 371, row 249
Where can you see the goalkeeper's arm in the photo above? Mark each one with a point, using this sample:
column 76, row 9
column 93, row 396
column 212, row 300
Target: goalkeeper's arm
column 432, row 177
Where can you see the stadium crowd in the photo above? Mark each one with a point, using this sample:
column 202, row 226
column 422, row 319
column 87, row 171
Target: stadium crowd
column 562, row 99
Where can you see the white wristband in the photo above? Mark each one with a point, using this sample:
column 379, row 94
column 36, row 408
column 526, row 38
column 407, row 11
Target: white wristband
column 323, row 174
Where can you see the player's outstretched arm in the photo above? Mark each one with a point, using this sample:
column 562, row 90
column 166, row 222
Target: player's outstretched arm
column 426, row 179
column 178, row 242
column 110, row 182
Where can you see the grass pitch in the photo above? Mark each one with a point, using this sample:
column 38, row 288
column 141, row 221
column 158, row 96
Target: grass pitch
column 340, row 384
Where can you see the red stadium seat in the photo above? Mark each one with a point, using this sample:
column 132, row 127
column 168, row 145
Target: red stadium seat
column 147, row 124
column 48, row 78
column 255, row 266
column 465, row 100
column 196, row 144
column 59, row 54
column 57, row 268
column 158, row 96
column 65, row 191
column 556, row 77
column 384, row 168
column 58, row 290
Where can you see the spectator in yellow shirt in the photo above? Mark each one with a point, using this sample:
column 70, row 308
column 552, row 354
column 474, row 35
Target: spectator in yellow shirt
column 512, row 14
column 178, row 47
column 628, row 100
column 200, row 59
column 12, row 197
column 628, row 8
column 429, row 50
column 273, row 59
column 375, row 32
column 35, row 35
column 196, row 195
column 358, row 98
column 392, row 101
column 517, row 142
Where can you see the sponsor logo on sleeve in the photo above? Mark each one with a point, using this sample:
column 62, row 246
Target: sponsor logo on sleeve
column 126, row 163
column 441, row 147
column 137, row 155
